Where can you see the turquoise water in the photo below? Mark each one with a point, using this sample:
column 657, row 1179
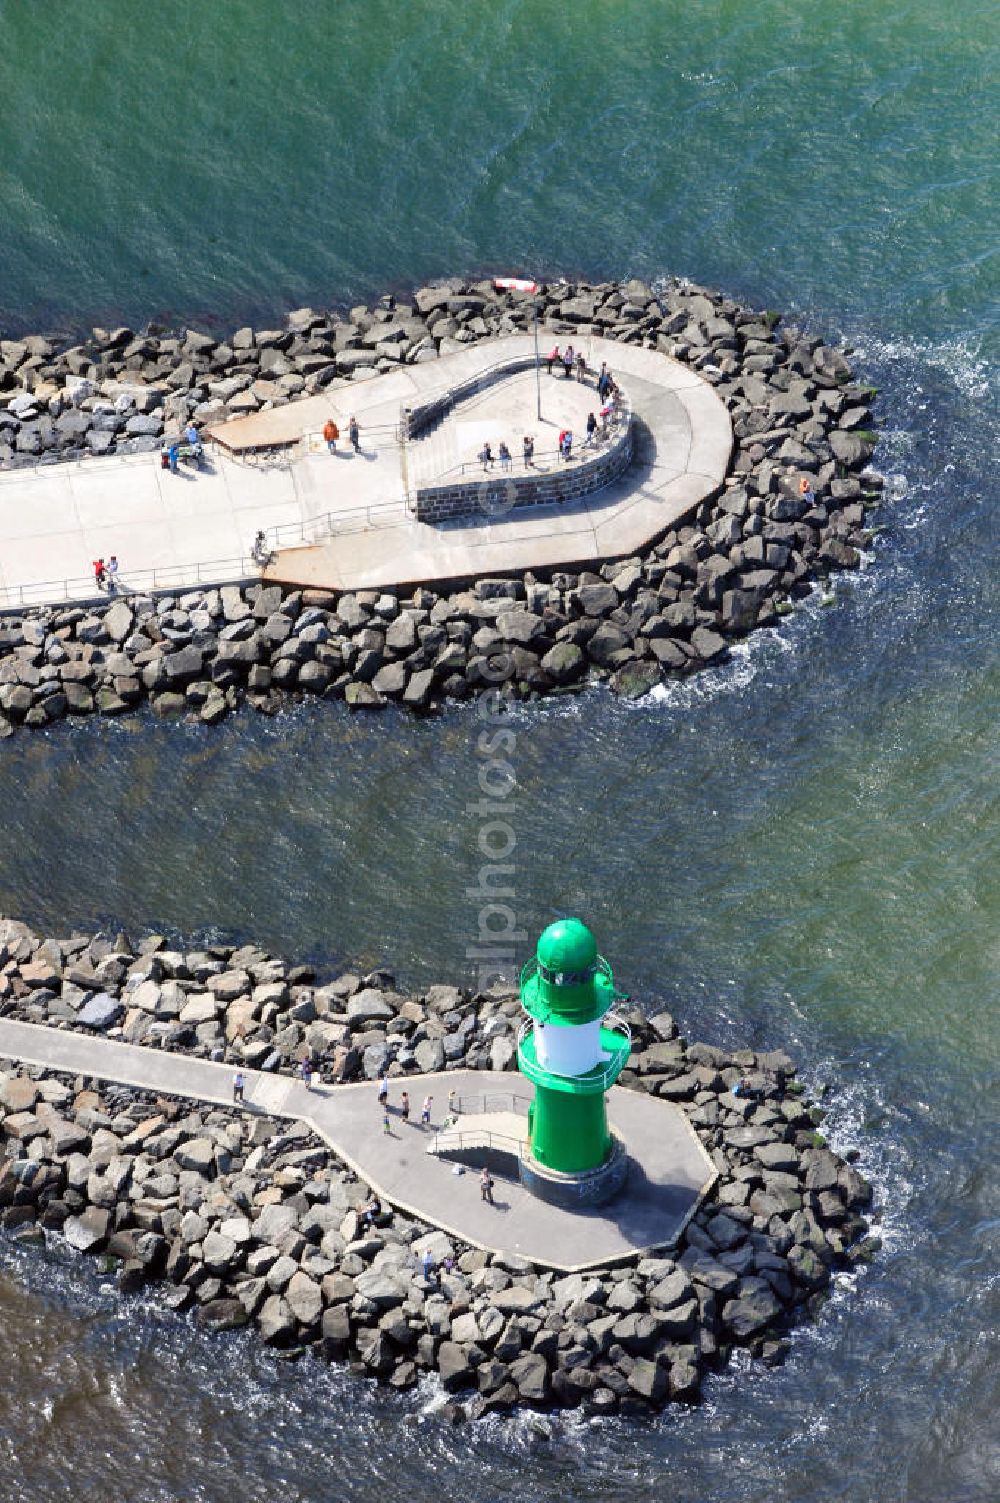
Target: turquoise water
column 799, row 850
column 213, row 162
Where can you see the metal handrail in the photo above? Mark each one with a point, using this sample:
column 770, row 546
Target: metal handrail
column 530, row 968
column 81, row 590
column 463, row 1142
column 544, row 454
column 42, row 468
column 468, row 1106
column 445, row 398
column 382, row 514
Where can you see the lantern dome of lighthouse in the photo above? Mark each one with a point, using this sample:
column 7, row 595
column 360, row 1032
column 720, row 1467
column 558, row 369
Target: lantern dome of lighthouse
column 566, row 945
column 567, row 982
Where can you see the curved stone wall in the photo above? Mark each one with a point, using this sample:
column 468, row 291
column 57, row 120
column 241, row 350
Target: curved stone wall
column 416, row 419
column 496, row 495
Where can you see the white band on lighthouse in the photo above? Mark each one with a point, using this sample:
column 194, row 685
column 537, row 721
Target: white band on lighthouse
column 568, row 1050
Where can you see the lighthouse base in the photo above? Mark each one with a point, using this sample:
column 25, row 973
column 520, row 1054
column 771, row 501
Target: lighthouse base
column 586, row 1187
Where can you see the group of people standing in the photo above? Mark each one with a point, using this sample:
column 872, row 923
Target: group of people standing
column 487, row 458
column 331, row 433
column 106, row 574
column 403, row 1110
column 569, row 360
column 188, row 447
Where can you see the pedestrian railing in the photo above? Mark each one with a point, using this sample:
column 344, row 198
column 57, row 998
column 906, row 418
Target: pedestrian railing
column 414, row 420
column 281, row 453
column 541, row 458
column 600, row 966
column 448, row 1142
column 489, row 1101
column 84, row 590
column 332, row 523
column 94, row 464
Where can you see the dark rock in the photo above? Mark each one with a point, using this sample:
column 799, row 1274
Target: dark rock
column 530, row 1375
column 649, row 1380
column 752, row 1313
column 222, row 1315
column 454, row 1367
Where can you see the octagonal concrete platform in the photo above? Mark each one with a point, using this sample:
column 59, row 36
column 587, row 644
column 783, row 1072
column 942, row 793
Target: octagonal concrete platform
column 669, row 1173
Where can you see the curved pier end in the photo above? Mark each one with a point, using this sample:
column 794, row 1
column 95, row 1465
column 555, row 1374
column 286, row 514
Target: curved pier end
column 682, row 443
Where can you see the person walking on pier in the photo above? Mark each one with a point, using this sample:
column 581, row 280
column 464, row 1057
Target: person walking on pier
column 591, row 438
column 504, row 454
column 425, row 1112
column 568, row 361
column 486, row 457
column 528, row 450
column 554, row 357
column 330, row 435
column 354, row 434
column 239, row 1080
column 99, row 573
column 404, row 1106
column 383, row 1090
column 581, row 367
column 113, row 574
column 603, row 381
column 307, row 1072
column 486, row 1186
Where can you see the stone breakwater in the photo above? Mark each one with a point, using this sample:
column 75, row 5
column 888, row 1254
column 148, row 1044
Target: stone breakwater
column 247, row 1221
column 740, row 561
column 119, row 391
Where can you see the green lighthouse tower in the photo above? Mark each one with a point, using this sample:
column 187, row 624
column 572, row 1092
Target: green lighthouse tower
column 573, row 1052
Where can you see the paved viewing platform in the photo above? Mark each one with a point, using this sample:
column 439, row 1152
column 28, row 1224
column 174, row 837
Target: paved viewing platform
column 346, row 520
column 668, row 1169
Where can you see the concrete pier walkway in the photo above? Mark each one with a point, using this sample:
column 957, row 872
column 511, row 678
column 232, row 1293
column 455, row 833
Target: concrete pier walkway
column 340, row 521
column 669, row 1171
